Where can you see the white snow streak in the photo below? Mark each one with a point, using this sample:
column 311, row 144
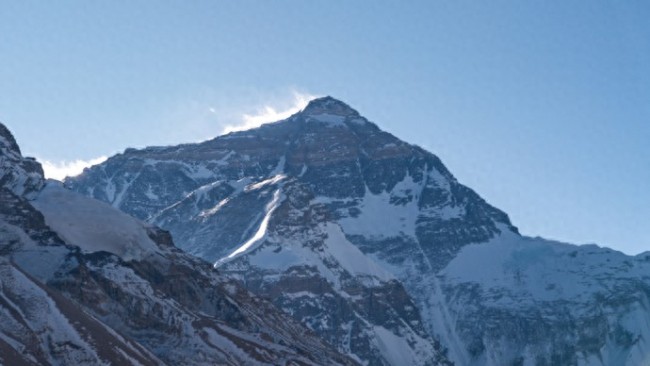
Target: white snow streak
column 261, row 231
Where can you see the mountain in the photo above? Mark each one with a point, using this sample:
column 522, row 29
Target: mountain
column 373, row 244
column 82, row 283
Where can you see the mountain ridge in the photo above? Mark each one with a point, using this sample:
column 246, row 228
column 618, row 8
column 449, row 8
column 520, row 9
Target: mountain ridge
column 82, row 283
column 326, row 135
column 372, row 243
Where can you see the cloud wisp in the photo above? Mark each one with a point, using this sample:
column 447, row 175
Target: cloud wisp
column 60, row 170
column 270, row 113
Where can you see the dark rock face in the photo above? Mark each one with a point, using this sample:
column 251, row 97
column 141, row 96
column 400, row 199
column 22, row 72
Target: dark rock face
column 178, row 308
column 64, row 301
column 23, row 176
column 373, row 244
column 41, row 327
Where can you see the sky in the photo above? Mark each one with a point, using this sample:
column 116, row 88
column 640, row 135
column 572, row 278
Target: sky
column 542, row 107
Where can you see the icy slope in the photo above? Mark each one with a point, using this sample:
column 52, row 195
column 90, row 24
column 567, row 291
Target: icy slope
column 92, row 225
column 533, row 295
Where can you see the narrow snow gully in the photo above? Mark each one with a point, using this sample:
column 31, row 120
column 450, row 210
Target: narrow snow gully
column 259, row 234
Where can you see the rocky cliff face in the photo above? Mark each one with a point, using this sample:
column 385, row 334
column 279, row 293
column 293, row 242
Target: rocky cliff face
column 22, row 176
column 84, row 284
column 373, row 244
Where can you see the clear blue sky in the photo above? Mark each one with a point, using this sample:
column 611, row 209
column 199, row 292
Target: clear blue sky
column 543, row 107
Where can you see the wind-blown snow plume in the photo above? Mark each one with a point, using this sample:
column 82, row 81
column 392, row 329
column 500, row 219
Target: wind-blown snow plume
column 61, row 169
column 269, row 113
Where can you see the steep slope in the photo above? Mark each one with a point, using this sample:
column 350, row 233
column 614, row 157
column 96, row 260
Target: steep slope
column 372, row 243
column 38, row 326
column 83, row 283
column 533, row 301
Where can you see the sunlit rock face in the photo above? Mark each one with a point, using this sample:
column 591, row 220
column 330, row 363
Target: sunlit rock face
column 373, row 244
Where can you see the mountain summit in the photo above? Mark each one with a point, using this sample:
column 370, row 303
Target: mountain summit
column 372, row 243
column 329, row 105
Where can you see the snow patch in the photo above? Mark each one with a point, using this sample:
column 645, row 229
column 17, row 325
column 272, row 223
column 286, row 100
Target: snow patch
column 93, row 225
column 372, row 222
column 273, row 180
column 337, row 250
column 350, row 257
column 394, row 348
column 215, row 209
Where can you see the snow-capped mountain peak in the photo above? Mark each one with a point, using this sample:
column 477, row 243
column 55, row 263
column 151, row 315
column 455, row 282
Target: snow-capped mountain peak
column 329, row 105
column 324, row 195
column 372, row 243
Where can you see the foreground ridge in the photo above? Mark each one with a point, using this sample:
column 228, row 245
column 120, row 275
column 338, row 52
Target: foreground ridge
column 84, row 284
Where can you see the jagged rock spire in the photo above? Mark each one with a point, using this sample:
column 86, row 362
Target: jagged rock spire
column 23, row 176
